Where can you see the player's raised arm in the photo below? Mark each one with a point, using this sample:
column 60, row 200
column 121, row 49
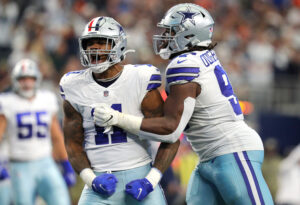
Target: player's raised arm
column 178, row 109
column 173, row 110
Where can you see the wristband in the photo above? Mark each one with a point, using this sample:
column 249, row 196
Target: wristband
column 154, row 176
column 87, row 175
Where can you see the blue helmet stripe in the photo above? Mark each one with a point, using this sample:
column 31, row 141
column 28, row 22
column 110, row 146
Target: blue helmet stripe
column 97, row 24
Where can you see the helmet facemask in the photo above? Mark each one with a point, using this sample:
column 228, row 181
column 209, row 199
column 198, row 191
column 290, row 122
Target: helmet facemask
column 166, row 43
column 113, row 42
column 24, row 69
column 26, row 93
column 99, row 60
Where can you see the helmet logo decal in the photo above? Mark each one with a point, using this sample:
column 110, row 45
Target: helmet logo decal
column 188, row 15
column 97, row 26
column 90, row 25
column 98, row 23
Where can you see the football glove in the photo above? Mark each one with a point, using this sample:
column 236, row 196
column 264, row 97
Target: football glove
column 3, row 173
column 139, row 188
column 104, row 115
column 105, row 184
column 68, row 173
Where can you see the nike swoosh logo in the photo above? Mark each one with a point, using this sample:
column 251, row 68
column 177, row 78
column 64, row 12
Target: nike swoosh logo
column 101, row 187
column 180, row 61
column 109, row 119
column 140, row 191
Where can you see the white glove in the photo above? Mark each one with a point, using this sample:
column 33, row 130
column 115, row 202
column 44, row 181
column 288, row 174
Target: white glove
column 105, row 116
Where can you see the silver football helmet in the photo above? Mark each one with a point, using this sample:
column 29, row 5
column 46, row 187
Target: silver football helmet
column 25, row 68
column 116, row 41
column 185, row 25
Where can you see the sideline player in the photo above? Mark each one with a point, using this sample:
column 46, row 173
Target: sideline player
column 109, row 161
column 28, row 119
column 201, row 99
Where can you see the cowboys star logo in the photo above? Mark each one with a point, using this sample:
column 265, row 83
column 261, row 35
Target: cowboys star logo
column 188, row 15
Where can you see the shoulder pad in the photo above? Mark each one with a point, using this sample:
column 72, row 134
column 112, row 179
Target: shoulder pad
column 72, row 76
column 151, row 75
column 69, row 80
column 182, row 69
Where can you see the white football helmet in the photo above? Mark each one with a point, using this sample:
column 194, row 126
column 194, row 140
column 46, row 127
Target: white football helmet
column 186, row 25
column 25, row 68
column 116, row 42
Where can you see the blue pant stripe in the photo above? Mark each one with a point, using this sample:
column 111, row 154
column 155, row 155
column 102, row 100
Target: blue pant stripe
column 238, row 161
column 254, row 178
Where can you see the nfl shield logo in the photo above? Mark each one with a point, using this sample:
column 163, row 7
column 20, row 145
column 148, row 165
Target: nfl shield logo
column 105, row 93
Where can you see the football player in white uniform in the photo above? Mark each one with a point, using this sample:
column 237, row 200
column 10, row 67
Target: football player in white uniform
column 109, row 161
column 201, row 103
column 28, row 119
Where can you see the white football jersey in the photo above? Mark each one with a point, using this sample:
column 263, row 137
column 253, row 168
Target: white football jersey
column 117, row 150
column 28, row 124
column 216, row 126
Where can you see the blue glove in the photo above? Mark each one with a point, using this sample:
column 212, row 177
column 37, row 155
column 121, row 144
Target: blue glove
column 3, row 173
column 105, row 184
column 139, row 188
column 68, row 173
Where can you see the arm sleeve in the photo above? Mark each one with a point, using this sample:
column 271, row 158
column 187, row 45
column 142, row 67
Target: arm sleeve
column 189, row 104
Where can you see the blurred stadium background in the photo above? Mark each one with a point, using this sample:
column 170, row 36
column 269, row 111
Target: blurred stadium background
column 258, row 45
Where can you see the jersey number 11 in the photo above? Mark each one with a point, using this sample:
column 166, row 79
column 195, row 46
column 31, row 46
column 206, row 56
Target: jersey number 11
column 118, row 135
